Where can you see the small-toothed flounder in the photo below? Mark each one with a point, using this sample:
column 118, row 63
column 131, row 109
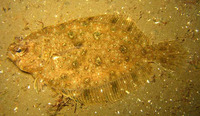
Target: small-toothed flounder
column 93, row 60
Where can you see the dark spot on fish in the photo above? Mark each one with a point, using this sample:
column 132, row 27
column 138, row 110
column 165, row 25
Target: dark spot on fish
column 63, row 91
column 71, row 34
column 56, row 83
column 112, row 75
column 63, row 76
column 144, row 51
column 96, row 35
column 114, row 20
column 127, row 58
column 98, row 61
column 86, row 94
column 112, row 60
column 50, row 82
column 75, row 64
column 87, row 80
column 90, row 18
column 134, row 77
column 162, row 48
column 115, row 87
column 78, row 44
column 139, row 35
column 130, row 28
column 85, row 23
column 172, row 56
column 62, row 26
column 113, row 29
column 123, row 49
column 163, row 60
column 83, row 52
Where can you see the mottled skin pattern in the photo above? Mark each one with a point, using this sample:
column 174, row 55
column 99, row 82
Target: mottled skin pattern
column 95, row 59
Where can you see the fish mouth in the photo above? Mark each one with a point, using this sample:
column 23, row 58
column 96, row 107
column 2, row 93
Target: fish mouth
column 11, row 54
column 15, row 59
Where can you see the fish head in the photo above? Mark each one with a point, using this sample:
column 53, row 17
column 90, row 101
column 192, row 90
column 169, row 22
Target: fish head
column 24, row 55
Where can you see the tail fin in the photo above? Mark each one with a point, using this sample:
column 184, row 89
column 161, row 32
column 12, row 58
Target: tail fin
column 171, row 55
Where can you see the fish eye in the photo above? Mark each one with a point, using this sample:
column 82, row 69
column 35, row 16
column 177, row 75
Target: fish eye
column 18, row 50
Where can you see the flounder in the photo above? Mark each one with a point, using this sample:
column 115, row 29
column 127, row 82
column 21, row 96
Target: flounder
column 95, row 59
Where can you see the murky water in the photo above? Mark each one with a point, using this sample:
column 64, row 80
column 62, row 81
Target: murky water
column 167, row 93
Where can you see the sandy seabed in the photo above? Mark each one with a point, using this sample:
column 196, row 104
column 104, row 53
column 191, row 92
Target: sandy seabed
column 175, row 93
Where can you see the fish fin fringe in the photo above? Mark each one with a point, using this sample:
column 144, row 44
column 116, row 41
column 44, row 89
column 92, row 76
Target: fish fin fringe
column 107, row 93
column 171, row 55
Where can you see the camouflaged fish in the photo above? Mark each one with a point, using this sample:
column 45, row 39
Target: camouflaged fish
column 93, row 60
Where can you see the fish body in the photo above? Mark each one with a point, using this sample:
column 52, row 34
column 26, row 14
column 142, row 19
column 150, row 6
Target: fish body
column 95, row 59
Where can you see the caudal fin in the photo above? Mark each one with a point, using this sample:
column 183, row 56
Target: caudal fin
column 171, row 55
